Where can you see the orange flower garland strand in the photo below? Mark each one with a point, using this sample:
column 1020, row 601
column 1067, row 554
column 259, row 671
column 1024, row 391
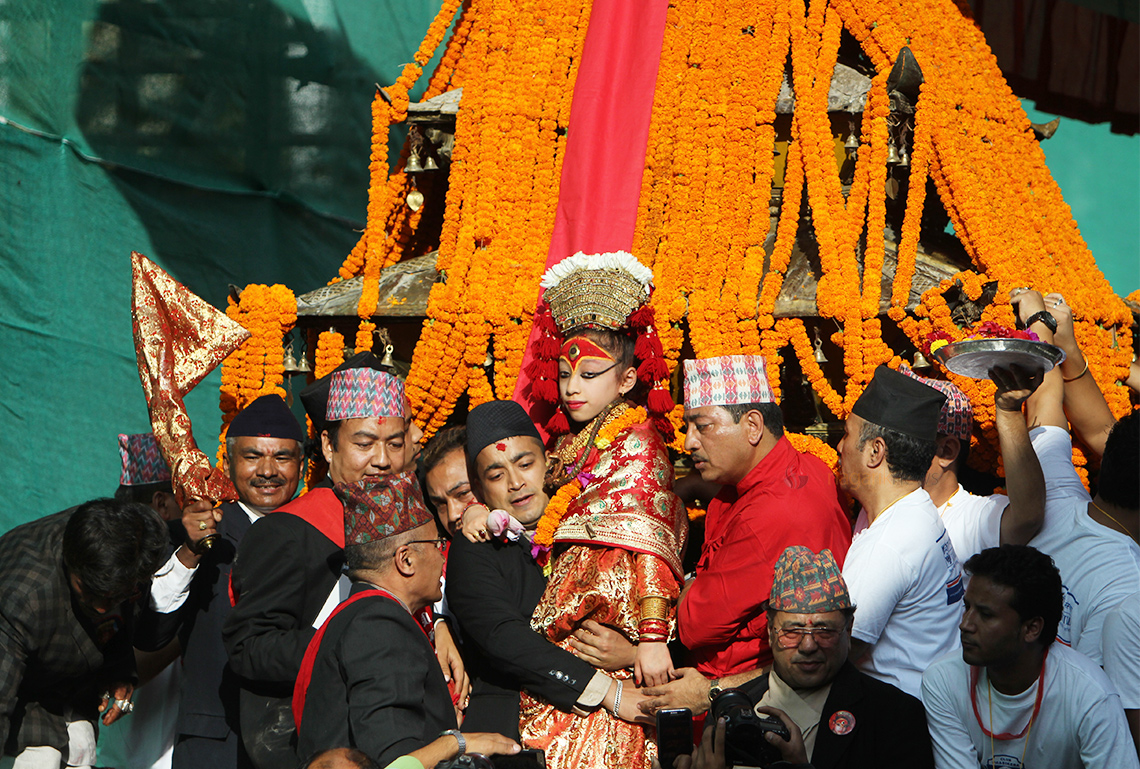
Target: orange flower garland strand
column 390, row 222
column 703, row 222
column 257, row 368
column 521, row 59
column 328, row 355
column 364, row 338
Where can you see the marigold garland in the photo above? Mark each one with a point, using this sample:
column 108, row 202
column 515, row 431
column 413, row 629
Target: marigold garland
column 809, row 444
column 327, row 355
column 703, row 221
column 256, row 368
column 520, row 62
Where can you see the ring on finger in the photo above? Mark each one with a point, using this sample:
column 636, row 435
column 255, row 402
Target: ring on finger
column 201, row 525
column 125, row 706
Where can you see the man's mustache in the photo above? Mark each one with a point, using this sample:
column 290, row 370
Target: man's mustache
column 259, row 483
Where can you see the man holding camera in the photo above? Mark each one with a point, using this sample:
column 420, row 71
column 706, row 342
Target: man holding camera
column 835, row 714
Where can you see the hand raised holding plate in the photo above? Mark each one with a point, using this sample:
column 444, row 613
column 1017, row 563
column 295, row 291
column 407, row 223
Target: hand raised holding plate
column 1015, row 383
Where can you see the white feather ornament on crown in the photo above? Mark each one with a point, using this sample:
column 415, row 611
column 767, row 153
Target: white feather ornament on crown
column 611, row 260
column 596, row 290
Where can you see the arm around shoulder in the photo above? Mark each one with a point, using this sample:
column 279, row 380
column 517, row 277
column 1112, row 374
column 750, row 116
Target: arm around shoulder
column 496, row 624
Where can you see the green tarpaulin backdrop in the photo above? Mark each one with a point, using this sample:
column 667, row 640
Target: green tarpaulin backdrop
column 228, row 141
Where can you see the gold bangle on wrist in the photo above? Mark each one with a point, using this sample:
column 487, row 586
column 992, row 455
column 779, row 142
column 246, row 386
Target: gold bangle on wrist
column 1084, row 371
column 654, row 607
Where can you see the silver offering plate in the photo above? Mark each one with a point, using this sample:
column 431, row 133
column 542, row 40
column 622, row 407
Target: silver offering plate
column 975, row 357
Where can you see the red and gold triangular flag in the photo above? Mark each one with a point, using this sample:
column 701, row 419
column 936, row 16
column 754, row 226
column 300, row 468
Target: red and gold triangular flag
column 179, row 339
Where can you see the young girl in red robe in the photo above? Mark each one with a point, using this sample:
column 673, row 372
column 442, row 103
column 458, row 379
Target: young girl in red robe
column 613, row 532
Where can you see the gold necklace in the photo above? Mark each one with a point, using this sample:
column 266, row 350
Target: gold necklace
column 1109, row 517
column 572, row 450
column 892, row 504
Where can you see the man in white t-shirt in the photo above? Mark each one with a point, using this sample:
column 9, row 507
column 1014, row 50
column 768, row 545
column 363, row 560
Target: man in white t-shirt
column 901, row 570
column 1092, row 541
column 1122, row 660
column 1012, row 698
column 1099, row 567
column 974, row 522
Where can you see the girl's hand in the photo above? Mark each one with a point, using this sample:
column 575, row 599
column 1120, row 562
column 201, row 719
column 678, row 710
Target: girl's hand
column 603, row 647
column 474, row 523
column 653, row 665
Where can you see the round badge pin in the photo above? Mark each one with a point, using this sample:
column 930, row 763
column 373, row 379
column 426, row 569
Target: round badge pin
column 841, row 722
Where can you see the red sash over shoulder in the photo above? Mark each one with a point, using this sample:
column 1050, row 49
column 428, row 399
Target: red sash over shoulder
column 301, row 688
column 423, row 619
column 321, row 509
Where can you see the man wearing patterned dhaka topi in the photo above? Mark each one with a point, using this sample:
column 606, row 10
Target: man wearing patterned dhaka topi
column 145, row 477
column 370, row 678
column 772, row 497
column 286, row 579
column 836, row 715
column 975, row 522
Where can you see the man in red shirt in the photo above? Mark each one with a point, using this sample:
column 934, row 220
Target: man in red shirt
column 772, row 497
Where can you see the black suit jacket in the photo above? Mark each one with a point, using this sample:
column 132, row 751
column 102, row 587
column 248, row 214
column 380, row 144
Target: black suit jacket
column 208, row 702
column 492, row 588
column 890, row 725
column 283, row 573
column 376, row 684
column 53, row 660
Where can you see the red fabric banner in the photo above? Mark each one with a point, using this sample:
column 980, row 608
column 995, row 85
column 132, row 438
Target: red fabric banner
column 606, row 139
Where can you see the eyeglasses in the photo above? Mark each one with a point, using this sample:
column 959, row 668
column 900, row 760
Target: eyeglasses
column 790, row 638
column 438, row 542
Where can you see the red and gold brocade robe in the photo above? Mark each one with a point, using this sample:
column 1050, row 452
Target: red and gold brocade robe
column 620, row 541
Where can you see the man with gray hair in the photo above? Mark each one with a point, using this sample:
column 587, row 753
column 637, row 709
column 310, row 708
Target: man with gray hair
column 370, row 679
column 902, row 569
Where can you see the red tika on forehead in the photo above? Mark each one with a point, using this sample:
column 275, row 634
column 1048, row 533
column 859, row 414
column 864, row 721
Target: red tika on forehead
column 578, row 348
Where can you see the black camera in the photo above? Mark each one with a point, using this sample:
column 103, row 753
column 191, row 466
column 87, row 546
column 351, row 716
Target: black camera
column 467, row 761
column 526, row 759
column 744, row 743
